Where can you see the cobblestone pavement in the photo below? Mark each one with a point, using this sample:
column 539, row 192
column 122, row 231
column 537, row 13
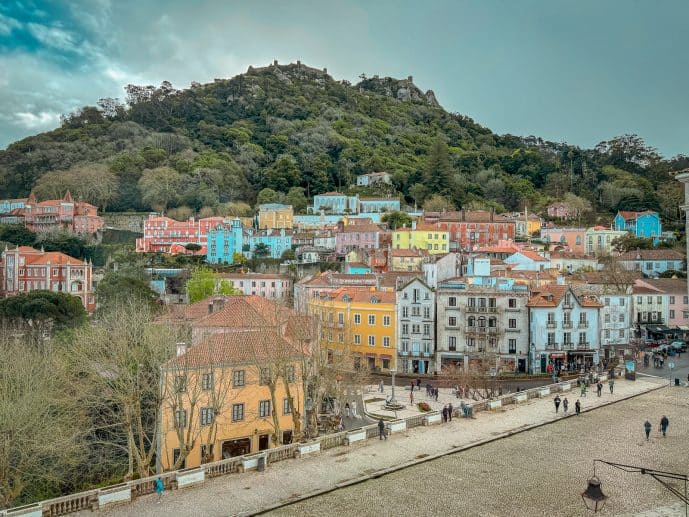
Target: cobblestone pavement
column 475, row 482
column 541, row 472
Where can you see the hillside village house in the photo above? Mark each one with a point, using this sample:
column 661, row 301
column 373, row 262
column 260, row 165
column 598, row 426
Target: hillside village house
column 372, row 178
column 429, row 237
column 357, row 327
column 371, row 205
column 406, row 260
column 161, row 233
column 275, row 216
column 652, row 262
column 563, row 329
column 570, row 262
column 357, row 236
column 527, row 260
column 525, row 225
column 54, row 215
column 644, row 224
column 335, row 203
column 277, row 242
column 244, row 366
column 598, row 240
column 415, row 305
column 7, row 205
column 661, row 307
column 274, row 287
column 572, row 238
column 441, row 267
column 224, row 241
column 563, row 211
column 482, row 325
column 25, row 269
column 468, row 230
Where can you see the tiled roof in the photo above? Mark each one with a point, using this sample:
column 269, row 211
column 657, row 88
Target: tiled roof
column 656, row 254
column 532, row 255
column 551, row 296
column 255, row 276
column 361, row 228
column 239, row 347
column 667, row 285
column 33, row 256
column 409, row 253
column 360, row 295
column 497, row 249
column 475, row 216
column 627, row 215
column 390, row 279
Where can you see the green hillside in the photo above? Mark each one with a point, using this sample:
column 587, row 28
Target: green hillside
column 281, row 127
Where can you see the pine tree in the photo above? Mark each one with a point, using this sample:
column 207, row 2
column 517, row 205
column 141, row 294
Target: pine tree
column 438, row 171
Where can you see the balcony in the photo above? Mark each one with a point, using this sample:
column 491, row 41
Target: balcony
column 583, row 325
column 481, row 330
column 415, row 353
column 473, row 308
column 551, row 325
column 566, row 324
column 404, row 353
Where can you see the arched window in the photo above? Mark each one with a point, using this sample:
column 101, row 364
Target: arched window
column 482, row 322
column 472, row 321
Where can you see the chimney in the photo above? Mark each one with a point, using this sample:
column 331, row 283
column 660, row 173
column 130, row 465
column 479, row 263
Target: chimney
column 210, row 307
column 492, row 214
column 181, row 349
column 275, row 62
column 410, row 78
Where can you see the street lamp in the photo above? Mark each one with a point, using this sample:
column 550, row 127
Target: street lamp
column 594, row 498
column 392, row 397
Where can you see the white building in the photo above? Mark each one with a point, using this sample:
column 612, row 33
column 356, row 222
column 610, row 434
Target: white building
column 483, row 325
column 415, row 306
column 439, row 268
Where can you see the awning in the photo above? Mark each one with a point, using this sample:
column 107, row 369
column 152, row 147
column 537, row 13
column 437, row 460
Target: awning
column 385, row 356
column 371, row 356
column 658, row 329
column 684, row 328
column 450, row 355
column 558, row 356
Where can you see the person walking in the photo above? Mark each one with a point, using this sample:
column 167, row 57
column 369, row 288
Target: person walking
column 436, row 394
column 381, row 386
column 647, row 429
column 411, row 398
column 557, row 403
column 412, row 386
column 445, row 413
column 449, row 411
column 159, row 488
column 565, row 405
column 577, row 407
column 664, row 422
column 381, row 430
column 599, row 387
column 418, row 384
column 583, row 389
column 611, row 385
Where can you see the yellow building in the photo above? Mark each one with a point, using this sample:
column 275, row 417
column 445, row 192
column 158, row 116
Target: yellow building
column 357, row 323
column 407, row 259
column 422, row 236
column 217, row 400
column 275, row 216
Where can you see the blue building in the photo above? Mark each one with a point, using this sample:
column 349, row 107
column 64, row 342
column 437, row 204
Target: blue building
column 641, row 224
column 335, row 203
column 563, row 329
column 652, row 262
column 224, row 241
column 277, row 241
column 378, row 204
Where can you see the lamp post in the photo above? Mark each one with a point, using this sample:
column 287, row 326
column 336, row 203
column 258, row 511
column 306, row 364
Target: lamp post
column 392, row 397
column 595, row 499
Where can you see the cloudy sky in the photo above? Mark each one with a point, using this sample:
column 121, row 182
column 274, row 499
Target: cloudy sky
column 579, row 71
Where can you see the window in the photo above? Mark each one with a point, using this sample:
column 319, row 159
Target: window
column 512, row 323
column 551, row 318
column 264, row 377
column 659, row 299
column 492, row 322
column 371, row 319
column 607, row 318
column 582, row 318
column 426, row 329
column 371, row 340
column 207, row 381
column 672, row 300
column 206, row 453
column 621, row 302
column 512, row 303
column 416, row 311
column 357, row 319
column 340, row 318
column 357, row 339
column 452, row 343
column 207, row 414
column 289, row 373
column 405, row 312
column 471, row 302
column 639, row 299
column 386, row 342
column 181, row 383
column 621, row 318
column 416, row 329
column 686, row 300
column 286, row 407
column 263, row 408
column 180, row 418
column 405, row 328
column 452, row 301
column 672, row 313
column 622, row 333
column 551, row 339
column 386, row 364
column 405, row 345
column 582, row 338
column 512, row 344
column 606, row 301
column 452, row 321
column 471, row 321
column 471, row 341
column 491, row 302
column 649, row 299
column 237, row 412
column 427, row 312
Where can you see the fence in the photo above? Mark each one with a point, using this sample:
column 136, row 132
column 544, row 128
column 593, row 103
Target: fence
column 90, row 500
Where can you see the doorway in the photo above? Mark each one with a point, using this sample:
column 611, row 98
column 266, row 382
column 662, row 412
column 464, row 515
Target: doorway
column 232, row 448
column 263, row 442
column 286, row 437
column 371, row 363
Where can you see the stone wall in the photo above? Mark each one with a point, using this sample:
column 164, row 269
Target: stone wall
column 130, row 221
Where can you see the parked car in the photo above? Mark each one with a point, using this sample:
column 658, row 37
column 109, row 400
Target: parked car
column 663, row 348
column 680, row 346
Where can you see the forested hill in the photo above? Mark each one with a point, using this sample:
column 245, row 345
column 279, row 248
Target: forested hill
column 213, row 146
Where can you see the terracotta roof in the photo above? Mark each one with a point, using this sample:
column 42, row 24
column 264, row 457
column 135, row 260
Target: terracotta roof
column 426, row 227
column 255, row 276
column 390, row 279
column 551, row 296
column 361, row 228
column 667, row 285
column 33, row 256
column 656, row 254
column 361, row 295
column 239, row 347
column 532, row 255
column 497, row 249
column 475, row 216
column 627, row 214
column 409, row 253
column 329, row 279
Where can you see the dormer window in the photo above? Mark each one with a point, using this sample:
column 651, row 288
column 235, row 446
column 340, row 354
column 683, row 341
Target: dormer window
column 346, row 298
column 374, row 299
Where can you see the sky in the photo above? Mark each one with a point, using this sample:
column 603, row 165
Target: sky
column 576, row 71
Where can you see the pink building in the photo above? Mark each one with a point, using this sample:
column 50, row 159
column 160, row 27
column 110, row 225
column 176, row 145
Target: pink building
column 562, row 211
column 273, row 287
column 571, row 238
column 56, row 214
column 25, row 269
column 357, row 236
column 161, row 234
column 675, row 308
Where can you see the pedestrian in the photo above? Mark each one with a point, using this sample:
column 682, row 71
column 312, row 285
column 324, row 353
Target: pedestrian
column 418, row 384
column 411, row 398
column 463, row 408
column 565, row 405
column 647, row 428
column 557, row 403
column 381, row 429
column 583, row 389
column 380, row 386
column 457, row 391
column 611, row 384
column 436, row 394
column 412, row 386
column 159, row 488
column 600, row 388
column 445, row 413
column 347, row 410
column 449, row 411
column 577, row 407
column 664, row 422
